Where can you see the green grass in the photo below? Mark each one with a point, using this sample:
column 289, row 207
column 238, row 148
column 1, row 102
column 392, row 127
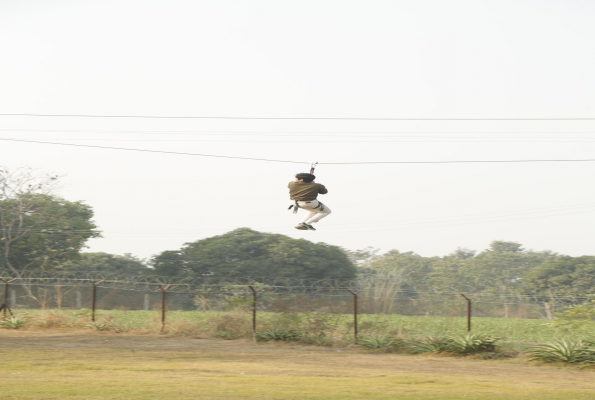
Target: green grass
column 235, row 324
column 282, row 374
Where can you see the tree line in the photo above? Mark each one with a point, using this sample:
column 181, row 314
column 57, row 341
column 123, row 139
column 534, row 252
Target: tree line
column 42, row 231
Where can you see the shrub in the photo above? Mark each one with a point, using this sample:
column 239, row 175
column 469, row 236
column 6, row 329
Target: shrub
column 428, row 345
column 231, row 326
column 52, row 319
column 471, row 343
column 383, row 343
column 12, row 323
column 562, row 350
column 278, row 334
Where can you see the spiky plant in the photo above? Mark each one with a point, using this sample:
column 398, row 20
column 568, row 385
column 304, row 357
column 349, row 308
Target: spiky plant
column 471, row 343
column 428, row 345
column 279, row 335
column 563, row 350
column 12, row 323
column 384, row 343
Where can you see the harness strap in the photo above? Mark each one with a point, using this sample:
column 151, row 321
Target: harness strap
column 295, row 207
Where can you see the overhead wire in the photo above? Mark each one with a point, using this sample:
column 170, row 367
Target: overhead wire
column 347, row 139
column 341, row 134
column 151, row 151
column 343, row 231
column 483, row 218
column 496, row 214
column 296, row 162
column 291, row 118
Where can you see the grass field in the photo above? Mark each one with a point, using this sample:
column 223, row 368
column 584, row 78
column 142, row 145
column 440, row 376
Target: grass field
column 68, row 364
column 60, row 354
column 238, row 324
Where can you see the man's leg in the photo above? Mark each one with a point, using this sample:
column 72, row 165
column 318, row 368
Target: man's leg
column 309, row 214
column 316, row 214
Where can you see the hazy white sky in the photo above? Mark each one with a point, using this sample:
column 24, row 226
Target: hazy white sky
column 392, row 59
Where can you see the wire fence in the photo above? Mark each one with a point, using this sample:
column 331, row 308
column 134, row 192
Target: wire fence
column 385, row 294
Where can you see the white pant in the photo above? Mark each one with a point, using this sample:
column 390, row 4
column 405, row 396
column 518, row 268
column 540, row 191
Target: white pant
column 314, row 214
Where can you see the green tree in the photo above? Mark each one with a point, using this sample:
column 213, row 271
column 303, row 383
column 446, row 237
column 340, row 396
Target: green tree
column 247, row 253
column 567, row 276
column 39, row 230
column 362, row 257
column 396, row 283
column 413, row 268
column 499, row 271
column 126, row 265
column 170, row 263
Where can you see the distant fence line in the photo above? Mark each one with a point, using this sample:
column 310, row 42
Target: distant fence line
column 382, row 294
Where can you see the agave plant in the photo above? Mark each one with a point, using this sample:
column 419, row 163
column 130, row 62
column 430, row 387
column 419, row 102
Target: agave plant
column 278, row 334
column 385, row 343
column 12, row 323
column 471, row 343
column 563, row 350
column 429, row 345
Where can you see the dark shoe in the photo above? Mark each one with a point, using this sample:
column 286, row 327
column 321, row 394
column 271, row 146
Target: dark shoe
column 301, row 226
column 310, row 227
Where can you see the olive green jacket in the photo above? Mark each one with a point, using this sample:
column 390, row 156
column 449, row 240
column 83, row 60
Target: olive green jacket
column 304, row 191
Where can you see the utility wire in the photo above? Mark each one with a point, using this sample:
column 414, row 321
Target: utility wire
column 296, row 162
column 150, row 151
column 423, row 223
column 335, row 139
column 295, row 118
column 385, row 134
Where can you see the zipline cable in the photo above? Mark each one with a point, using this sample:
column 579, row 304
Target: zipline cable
column 297, row 162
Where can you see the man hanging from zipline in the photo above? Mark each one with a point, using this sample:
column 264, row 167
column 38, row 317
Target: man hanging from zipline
column 304, row 191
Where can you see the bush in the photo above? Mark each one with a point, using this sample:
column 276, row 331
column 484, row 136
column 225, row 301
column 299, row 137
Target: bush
column 52, row 319
column 384, row 343
column 566, row 351
column 231, row 326
column 279, row 335
column 469, row 343
column 428, row 345
column 12, row 323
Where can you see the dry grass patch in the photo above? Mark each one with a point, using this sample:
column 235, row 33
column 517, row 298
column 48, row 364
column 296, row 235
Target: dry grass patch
column 104, row 366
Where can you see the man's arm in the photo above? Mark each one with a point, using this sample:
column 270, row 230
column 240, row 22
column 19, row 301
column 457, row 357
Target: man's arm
column 322, row 189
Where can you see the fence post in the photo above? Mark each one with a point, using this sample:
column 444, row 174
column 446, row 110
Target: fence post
column 354, row 312
column 13, row 298
column 163, row 292
column 468, row 310
column 147, row 302
column 79, row 300
column 253, row 310
column 5, row 307
column 94, row 301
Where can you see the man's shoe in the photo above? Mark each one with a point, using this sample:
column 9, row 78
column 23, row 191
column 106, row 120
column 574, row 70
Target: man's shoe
column 301, row 226
column 310, row 227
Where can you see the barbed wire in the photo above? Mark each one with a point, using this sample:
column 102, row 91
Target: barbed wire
column 368, row 285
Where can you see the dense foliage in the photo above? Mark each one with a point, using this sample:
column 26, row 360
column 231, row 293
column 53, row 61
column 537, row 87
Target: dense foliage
column 39, row 230
column 247, row 253
column 126, row 265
